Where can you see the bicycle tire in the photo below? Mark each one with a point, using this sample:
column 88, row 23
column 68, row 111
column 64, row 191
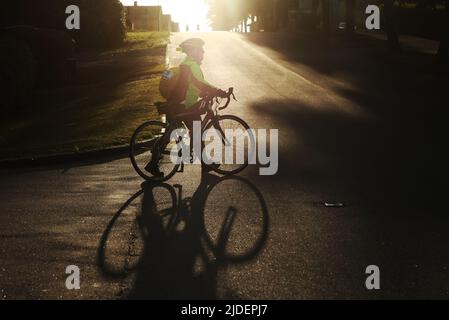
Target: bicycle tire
column 132, row 155
column 252, row 140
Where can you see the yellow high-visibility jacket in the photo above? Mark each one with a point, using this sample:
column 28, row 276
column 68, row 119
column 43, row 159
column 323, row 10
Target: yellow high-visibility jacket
column 191, row 85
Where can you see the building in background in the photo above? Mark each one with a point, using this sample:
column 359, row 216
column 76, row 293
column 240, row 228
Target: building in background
column 166, row 23
column 174, row 26
column 148, row 18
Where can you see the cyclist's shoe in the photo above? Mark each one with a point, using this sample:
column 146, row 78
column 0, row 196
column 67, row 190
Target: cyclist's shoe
column 152, row 168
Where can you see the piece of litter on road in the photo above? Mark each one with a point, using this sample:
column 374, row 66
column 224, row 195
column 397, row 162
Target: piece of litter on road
column 334, row 205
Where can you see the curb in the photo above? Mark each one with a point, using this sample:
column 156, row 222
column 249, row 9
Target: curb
column 55, row 159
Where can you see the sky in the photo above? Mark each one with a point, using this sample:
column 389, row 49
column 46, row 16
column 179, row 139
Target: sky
column 186, row 12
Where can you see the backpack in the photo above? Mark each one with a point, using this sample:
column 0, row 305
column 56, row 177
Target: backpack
column 168, row 82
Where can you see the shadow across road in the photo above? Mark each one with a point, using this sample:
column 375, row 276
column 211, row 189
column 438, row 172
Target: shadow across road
column 391, row 179
column 373, row 161
column 177, row 246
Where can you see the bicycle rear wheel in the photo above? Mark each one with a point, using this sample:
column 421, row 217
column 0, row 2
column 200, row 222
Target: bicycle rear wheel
column 233, row 144
column 144, row 143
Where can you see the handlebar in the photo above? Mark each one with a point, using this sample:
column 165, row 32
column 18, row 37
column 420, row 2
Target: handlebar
column 230, row 94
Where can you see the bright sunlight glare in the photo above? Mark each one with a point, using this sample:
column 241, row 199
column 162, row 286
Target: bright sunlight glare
column 192, row 13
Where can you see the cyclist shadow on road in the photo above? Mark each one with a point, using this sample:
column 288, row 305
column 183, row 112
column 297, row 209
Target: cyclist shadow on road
column 179, row 248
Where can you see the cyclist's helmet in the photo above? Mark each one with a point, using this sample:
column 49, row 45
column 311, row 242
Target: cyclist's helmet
column 191, row 44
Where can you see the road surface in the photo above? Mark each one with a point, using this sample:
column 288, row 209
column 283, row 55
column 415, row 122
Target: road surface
column 272, row 236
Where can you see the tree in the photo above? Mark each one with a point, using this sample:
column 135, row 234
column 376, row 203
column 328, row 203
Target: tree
column 225, row 14
column 228, row 14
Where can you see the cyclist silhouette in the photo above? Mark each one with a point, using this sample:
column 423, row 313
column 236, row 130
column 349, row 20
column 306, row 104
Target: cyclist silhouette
column 190, row 87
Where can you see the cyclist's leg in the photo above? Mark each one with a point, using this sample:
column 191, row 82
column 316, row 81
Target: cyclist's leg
column 161, row 144
column 193, row 115
column 193, row 150
column 159, row 147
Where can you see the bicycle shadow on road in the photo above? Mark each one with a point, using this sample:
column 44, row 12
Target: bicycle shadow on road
column 177, row 247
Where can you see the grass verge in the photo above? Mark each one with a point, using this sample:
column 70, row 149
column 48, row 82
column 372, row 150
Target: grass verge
column 112, row 93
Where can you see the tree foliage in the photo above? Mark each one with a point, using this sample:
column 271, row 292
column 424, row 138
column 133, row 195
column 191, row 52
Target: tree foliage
column 226, row 14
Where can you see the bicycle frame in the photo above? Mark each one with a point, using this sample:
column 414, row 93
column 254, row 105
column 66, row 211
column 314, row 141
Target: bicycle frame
column 210, row 116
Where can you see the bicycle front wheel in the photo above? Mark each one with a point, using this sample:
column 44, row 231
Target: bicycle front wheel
column 229, row 145
column 146, row 144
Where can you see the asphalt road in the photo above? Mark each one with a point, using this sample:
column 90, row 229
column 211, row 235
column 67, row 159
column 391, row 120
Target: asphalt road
column 271, row 237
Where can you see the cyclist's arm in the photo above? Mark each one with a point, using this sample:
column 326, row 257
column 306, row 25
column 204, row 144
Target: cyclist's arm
column 205, row 88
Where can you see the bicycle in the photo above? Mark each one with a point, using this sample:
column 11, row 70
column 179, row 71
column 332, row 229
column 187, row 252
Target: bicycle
column 146, row 140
